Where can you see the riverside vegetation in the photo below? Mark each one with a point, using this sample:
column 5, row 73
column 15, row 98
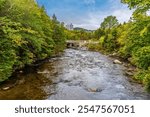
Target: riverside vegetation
column 131, row 40
column 27, row 35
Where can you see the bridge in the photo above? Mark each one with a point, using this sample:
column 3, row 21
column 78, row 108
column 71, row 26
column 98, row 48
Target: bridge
column 76, row 43
column 79, row 43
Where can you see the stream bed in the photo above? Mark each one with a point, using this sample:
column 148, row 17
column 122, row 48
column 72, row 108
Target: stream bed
column 76, row 75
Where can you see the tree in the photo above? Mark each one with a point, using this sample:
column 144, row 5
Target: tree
column 139, row 31
column 137, row 42
column 99, row 33
column 54, row 19
column 109, row 22
column 27, row 35
column 141, row 6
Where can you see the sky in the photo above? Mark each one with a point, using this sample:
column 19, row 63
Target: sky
column 88, row 14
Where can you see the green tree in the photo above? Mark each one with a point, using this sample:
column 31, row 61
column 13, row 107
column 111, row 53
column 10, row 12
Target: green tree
column 109, row 22
column 138, row 39
column 99, row 33
column 58, row 35
column 27, row 34
column 107, row 34
column 141, row 6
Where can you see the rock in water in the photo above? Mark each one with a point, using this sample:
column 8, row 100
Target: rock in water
column 6, row 88
column 94, row 89
column 113, row 55
column 117, row 62
column 21, row 71
column 129, row 73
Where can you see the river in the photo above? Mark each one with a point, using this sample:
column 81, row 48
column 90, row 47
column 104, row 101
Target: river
column 76, row 75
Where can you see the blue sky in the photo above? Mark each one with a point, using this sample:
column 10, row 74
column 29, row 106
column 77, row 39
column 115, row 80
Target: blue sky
column 86, row 13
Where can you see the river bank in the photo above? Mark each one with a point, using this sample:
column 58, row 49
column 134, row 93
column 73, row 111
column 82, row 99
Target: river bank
column 77, row 74
column 130, row 70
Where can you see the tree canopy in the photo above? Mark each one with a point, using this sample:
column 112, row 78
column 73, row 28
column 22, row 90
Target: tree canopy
column 109, row 22
column 27, row 34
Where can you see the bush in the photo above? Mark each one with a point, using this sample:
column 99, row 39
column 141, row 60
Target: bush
column 102, row 41
column 141, row 58
column 109, row 42
column 147, row 81
column 144, row 77
column 93, row 47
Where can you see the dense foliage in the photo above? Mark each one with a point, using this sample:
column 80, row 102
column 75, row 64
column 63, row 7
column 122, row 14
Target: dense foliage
column 27, row 34
column 107, row 34
column 109, row 22
column 139, row 39
column 78, row 34
column 130, row 40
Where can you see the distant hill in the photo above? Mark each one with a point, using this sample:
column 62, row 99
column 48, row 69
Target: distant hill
column 80, row 29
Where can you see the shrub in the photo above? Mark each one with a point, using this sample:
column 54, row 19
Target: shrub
column 93, row 46
column 141, row 58
column 144, row 77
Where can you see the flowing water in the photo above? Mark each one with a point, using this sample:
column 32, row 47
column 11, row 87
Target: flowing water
column 77, row 75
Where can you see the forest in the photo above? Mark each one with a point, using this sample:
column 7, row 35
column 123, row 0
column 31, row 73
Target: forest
column 131, row 40
column 28, row 34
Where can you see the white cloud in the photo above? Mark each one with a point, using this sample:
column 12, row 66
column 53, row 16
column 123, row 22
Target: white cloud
column 93, row 19
column 122, row 15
